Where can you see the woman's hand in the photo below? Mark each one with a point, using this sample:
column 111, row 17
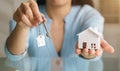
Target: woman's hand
column 88, row 54
column 28, row 15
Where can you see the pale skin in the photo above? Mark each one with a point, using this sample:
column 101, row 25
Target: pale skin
column 28, row 15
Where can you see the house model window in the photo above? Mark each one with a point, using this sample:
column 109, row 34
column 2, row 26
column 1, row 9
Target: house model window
column 89, row 38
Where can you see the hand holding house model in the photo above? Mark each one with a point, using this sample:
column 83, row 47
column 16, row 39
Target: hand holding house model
column 89, row 39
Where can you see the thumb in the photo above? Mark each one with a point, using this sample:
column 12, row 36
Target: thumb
column 107, row 47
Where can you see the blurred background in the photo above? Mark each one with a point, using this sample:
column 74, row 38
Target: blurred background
column 110, row 9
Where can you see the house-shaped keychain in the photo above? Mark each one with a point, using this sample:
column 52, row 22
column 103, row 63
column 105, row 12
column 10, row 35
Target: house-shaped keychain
column 89, row 38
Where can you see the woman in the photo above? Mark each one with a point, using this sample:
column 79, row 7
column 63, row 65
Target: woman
column 64, row 19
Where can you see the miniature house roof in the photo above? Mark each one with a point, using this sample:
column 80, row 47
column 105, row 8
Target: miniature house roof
column 90, row 30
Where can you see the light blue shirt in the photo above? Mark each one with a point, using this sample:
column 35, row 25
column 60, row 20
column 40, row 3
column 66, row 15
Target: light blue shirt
column 78, row 19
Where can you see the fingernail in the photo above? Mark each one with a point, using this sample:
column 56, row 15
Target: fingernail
column 112, row 51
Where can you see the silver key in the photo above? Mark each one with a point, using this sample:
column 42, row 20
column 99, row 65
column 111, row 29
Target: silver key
column 47, row 34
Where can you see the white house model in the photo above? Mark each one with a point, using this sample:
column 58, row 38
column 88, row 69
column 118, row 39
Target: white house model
column 89, row 39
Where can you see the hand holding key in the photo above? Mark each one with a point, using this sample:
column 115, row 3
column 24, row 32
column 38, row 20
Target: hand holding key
column 28, row 14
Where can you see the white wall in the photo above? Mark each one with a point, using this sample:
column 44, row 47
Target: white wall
column 112, row 35
column 7, row 8
column 96, row 4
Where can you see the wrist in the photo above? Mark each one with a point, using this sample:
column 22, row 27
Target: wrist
column 22, row 26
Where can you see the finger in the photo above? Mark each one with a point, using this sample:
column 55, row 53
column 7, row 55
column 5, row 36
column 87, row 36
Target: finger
column 85, row 50
column 23, row 18
column 16, row 16
column 26, row 21
column 78, row 51
column 91, row 52
column 76, row 45
column 99, row 52
column 43, row 17
column 105, row 46
column 84, row 53
column 27, row 10
column 35, row 10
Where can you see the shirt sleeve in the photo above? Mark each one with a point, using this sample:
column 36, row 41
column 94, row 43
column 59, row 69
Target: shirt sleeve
column 14, row 57
column 8, row 54
column 92, row 18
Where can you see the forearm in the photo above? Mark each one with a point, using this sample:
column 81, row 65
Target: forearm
column 16, row 42
column 26, row 16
